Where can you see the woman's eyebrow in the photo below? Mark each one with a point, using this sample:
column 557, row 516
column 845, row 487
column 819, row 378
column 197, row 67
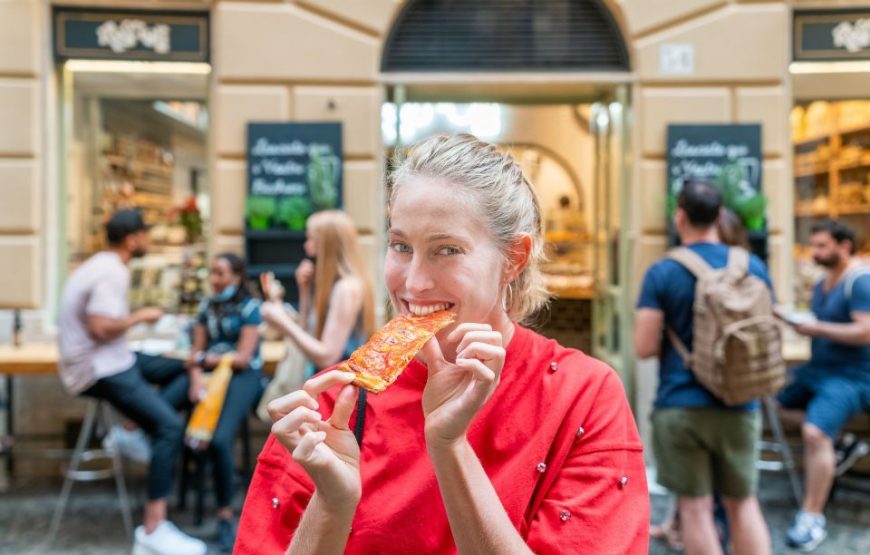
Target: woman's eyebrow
column 439, row 236
column 443, row 236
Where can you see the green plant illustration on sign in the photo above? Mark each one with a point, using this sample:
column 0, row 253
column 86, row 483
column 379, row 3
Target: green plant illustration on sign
column 737, row 194
column 292, row 212
column 259, row 211
column 324, row 168
column 741, row 197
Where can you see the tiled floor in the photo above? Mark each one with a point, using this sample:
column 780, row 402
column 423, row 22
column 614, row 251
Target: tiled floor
column 93, row 524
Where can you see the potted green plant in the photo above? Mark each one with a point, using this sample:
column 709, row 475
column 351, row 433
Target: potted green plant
column 259, row 211
column 292, row 212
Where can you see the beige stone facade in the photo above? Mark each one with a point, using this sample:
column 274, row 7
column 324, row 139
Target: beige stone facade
column 315, row 60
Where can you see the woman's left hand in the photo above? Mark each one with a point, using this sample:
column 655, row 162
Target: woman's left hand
column 455, row 392
column 272, row 312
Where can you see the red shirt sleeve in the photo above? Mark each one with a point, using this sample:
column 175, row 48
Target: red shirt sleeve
column 599, row 501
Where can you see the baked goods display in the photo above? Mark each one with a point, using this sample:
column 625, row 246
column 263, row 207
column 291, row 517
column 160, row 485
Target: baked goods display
column 379, row 362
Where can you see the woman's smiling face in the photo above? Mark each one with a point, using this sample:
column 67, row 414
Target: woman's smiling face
column 441, row 255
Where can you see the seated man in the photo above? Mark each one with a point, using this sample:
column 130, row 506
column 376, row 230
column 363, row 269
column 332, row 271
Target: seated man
column 835, row 384
column 95, row 361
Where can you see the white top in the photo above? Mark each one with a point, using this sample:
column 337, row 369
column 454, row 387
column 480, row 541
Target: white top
column 98, row 287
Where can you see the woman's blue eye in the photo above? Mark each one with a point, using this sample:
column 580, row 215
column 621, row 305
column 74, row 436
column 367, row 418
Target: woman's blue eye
column 449, row 251
column 400, row 247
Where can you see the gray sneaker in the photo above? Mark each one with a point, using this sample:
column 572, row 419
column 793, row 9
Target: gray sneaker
column 807, row 531
column 133, row 444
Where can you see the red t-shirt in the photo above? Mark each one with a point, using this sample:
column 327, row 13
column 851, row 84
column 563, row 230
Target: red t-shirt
column 565, row 489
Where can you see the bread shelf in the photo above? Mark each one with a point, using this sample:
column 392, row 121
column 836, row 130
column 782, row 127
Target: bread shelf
column 832, row 166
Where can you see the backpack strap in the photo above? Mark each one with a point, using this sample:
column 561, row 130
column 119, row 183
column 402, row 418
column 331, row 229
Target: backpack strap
column 360, row 422
column 681, row 348
column 690, row 260
column 738, row 262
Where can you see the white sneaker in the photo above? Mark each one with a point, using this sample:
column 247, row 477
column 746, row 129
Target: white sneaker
column 166, row 539
column 133, row 444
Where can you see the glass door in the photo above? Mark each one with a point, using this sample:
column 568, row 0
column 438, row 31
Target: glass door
column 611, row 308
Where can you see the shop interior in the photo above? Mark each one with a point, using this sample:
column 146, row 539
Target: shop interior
column 136, row 137
column 572, row 154
column 830, row 132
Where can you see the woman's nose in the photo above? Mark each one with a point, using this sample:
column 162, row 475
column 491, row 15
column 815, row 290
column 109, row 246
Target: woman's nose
column 418, row 278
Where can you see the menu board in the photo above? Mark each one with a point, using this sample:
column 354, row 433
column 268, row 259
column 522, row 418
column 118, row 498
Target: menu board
column 729, row 156
column 294, row 169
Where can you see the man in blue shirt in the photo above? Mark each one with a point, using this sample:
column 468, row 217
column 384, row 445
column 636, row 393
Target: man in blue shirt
column 700, row 445
column 835, row 384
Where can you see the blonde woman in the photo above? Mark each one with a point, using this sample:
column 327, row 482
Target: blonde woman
column 336, row 303
column 495, row 440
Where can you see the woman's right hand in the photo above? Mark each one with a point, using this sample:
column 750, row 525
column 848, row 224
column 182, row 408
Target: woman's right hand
column 305, row 274
column 326, row 449
column 196, row 391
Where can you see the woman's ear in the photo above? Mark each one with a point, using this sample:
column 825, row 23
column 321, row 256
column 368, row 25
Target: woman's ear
column 518, row 256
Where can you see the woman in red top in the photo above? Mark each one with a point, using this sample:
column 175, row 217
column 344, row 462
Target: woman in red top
column 495, row 439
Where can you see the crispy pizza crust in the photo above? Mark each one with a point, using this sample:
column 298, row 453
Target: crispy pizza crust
column 379, row 362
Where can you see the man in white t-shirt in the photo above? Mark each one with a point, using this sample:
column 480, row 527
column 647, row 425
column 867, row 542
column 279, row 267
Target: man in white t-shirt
column 95, row 361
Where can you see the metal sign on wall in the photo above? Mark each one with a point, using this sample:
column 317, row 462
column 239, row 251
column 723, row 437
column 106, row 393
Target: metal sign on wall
column 831, row 35
column 131, row 35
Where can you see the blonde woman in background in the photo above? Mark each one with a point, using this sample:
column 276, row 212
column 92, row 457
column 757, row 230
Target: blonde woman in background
column 336, row 302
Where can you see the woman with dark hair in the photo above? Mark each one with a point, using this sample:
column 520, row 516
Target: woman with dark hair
column 731, row 229
column 227, row 323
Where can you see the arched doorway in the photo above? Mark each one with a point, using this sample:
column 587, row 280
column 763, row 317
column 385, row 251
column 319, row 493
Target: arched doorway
column 553, row 76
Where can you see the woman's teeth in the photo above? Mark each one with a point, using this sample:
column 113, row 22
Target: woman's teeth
column 418, row 310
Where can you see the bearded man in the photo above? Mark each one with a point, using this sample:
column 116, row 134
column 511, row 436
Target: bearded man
column 835, row 384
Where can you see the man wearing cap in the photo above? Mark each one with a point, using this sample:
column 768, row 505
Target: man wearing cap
column 95, row 361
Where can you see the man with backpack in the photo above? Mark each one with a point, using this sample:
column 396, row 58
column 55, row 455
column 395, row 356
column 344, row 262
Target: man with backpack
column 835, row 384
column 706, row 311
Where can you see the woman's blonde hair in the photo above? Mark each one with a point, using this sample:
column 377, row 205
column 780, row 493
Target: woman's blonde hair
column 505, row 197
column 338, row 257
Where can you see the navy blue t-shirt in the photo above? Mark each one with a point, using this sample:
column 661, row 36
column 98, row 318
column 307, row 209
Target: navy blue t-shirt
column 833, row 306
column 670, row 287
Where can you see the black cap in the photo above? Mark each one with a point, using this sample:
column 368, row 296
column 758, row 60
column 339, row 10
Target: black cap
column 124, row 223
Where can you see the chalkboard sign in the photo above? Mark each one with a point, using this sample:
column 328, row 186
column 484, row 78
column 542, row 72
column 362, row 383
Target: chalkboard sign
column 728, row 156
column 294, row 169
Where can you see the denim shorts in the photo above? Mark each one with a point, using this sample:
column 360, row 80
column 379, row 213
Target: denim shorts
column 831, row 396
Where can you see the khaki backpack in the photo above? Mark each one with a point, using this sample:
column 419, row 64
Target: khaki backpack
column 737, row 343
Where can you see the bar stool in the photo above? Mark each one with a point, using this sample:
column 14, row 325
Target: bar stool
column 99, row 413
column 780, row 446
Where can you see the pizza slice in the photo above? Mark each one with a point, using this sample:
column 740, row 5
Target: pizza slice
column 379, row 362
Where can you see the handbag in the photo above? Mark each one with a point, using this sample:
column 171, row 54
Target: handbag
column 289, row 376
